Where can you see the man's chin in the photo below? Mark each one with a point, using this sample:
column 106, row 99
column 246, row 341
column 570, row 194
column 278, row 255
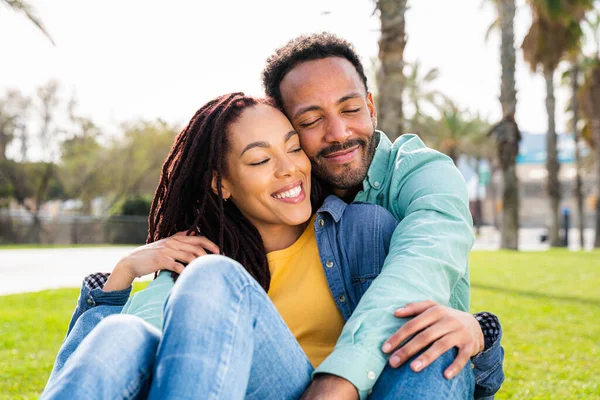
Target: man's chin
column 342, row 177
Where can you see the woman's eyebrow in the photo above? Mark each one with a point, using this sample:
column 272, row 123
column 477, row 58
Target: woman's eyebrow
column 289, row 135
column 255, row 144
column 266, row 145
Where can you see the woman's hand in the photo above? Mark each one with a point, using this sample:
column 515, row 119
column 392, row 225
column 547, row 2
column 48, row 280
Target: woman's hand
column 170, row 253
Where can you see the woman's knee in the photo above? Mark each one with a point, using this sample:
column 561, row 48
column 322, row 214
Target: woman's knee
column 216, row 269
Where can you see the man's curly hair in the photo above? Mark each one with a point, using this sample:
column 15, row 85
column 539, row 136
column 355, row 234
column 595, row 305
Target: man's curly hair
column 314, row 46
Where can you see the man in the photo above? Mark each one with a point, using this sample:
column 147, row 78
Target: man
column 319, row 82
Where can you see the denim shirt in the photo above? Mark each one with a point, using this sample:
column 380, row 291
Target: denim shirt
column 353, row 242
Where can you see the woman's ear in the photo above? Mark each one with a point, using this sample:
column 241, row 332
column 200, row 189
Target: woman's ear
column 213, row 185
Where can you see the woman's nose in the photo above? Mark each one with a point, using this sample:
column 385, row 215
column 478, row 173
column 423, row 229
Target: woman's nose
column 285, row 167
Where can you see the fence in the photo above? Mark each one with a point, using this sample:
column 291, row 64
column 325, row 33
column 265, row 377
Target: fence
column 18, row 229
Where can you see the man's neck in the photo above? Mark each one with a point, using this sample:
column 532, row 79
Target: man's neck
column 347, row 195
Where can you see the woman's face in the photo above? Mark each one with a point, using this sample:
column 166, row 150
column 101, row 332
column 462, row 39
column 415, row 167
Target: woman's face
column 268, row 176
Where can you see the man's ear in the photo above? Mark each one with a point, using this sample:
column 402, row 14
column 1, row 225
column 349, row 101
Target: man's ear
column 372, row 109
column 213, row 185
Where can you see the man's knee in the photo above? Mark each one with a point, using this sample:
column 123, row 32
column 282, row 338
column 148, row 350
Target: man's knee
column 429, row 383
column 126, row 331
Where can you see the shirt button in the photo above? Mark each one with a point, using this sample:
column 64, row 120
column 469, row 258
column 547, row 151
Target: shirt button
column 329, row 264
column 371, row 375
column 342, row 298
column 90, row 301
column 376, row 183
column 321, row 222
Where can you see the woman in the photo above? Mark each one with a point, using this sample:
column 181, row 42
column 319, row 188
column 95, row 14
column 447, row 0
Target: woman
column 237, row 175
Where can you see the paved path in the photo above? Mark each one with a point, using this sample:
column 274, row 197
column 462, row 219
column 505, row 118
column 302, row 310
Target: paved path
column 38, row 269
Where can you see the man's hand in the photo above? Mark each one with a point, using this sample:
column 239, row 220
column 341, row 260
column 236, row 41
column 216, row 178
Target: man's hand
column 330, row 387
column 441, row 327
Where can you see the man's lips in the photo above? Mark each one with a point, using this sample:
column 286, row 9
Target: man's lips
column 342, row 157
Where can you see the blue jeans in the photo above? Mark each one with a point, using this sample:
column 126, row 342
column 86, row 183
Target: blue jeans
column 222, row 338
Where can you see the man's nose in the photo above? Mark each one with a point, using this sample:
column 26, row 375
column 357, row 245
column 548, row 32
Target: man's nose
column 337, row 131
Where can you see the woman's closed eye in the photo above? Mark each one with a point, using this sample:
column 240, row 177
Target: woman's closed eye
column 262, row 162
column 352, row 111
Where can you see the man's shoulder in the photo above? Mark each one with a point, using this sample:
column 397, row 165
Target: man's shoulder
column 409, row 148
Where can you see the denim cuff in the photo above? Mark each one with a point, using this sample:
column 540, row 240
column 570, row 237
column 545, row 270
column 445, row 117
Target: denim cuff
column 355, row 364
column 488, row 371
column 89, row 298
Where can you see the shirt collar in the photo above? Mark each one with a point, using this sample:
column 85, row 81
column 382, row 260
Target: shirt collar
column 334, row 206
column 379, row 168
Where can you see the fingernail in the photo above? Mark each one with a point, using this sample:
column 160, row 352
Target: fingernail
column 399, row 309
column 416, row 365
column 449, row 374
column 394, row 361
column 386, row 347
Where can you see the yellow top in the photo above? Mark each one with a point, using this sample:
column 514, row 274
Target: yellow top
column 300, row 293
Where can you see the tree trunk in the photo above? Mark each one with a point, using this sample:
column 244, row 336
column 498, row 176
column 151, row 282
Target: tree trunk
column 578, row 183
column 508, row 140
column 596, row 133
column 552, row 166
column 390, row 80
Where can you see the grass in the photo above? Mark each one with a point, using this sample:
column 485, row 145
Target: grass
column 548, row 303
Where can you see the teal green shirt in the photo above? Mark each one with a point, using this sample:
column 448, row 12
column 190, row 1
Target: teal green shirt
column 148, row 303
column 428, row 257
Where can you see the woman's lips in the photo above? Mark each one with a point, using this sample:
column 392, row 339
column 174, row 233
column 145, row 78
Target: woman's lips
column 342, row 157
column 293, row 195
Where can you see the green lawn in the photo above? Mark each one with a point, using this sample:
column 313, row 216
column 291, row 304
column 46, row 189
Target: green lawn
column 549, row 305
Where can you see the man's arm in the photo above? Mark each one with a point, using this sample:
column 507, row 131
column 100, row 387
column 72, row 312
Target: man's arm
column 428, row 259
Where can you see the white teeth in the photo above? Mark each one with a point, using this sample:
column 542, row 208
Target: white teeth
column 295, row 192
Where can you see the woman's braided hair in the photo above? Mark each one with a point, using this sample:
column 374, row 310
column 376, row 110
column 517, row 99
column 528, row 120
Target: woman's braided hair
column 184, row 199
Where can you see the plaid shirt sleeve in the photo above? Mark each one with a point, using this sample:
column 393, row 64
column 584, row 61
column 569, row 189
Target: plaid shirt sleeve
column 490, row 326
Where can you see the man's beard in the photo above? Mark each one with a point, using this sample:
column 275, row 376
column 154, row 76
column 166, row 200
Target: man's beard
column 348, row 177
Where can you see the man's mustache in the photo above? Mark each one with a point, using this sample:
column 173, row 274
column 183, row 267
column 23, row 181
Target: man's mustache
column 334, row 148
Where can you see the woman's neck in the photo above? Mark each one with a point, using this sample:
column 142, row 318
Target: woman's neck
column 279, row 237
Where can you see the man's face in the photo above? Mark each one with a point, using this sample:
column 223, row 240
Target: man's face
column 328, row 105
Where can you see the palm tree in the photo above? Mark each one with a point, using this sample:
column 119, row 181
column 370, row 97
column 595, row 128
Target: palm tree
column 418, row 94
column 590, row 102
column 29, row 11
column 390, row 80
column 555, row 30
column 507, row 131
column 574, row 77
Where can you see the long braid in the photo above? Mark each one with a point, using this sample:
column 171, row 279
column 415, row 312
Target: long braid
column 184, row 199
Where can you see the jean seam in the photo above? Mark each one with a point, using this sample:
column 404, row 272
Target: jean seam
column 216, row 394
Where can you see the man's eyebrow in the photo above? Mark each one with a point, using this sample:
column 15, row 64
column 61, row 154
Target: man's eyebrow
column 255, row 144
column 347, row 97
